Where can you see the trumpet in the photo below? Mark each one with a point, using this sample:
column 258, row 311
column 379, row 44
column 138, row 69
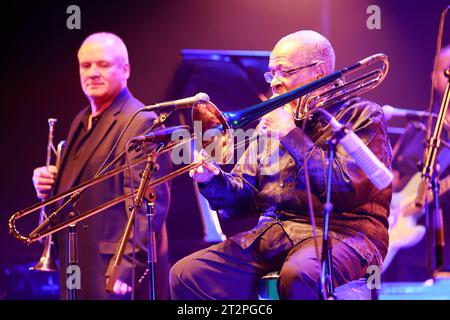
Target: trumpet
column 47, row 261
column 211, row 118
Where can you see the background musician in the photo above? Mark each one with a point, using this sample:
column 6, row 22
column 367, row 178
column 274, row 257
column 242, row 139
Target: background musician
column 104, row 72
column 408, row 243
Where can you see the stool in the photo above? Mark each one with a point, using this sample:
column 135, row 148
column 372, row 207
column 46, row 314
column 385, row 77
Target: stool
column 353, row 290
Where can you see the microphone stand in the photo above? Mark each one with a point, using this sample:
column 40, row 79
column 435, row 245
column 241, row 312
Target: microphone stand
column 438, row 227
column 428, row 175
column 72, row 256
column 145, row 179
column 152, row 259
column 150, row 167
column 341, row 132
column 326, row 277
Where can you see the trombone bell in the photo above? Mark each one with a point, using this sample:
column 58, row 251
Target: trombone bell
column 47, row 261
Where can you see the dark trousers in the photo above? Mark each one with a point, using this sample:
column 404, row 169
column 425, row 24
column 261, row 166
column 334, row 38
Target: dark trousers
column 226, row 271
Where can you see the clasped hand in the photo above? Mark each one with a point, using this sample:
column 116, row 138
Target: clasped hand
column 278, row 122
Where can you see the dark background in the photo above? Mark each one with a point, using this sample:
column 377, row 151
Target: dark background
column 39, row 77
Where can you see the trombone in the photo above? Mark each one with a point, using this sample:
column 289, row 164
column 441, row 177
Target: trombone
column 211, row 118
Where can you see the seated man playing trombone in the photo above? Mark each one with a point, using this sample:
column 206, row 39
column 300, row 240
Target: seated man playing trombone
column 284, row 239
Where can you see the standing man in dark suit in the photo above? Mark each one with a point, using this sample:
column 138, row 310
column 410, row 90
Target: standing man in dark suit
column 104, row 71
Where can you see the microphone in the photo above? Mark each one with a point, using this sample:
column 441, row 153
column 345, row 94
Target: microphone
column 159, row 136
column 391, row 112
column 375, row 170
column 185, row 103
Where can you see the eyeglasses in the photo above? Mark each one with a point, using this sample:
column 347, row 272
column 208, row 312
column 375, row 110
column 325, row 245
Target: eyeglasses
column 269, row 75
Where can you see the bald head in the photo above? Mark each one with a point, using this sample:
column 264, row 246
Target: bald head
column 305, row 47
column 110, row 41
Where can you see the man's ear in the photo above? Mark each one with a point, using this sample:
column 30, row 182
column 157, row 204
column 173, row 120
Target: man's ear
column 126, row 71
column 322, row 68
